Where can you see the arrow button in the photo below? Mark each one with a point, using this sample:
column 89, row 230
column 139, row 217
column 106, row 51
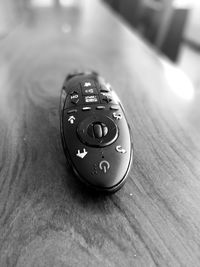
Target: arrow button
column 71, row 119
column 81, row 154
column 117, row 116
column 120, row 149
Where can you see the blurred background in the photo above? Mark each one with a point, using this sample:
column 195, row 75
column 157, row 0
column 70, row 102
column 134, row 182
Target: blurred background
column 171, row 27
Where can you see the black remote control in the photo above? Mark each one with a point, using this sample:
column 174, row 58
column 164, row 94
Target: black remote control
column 94, row 131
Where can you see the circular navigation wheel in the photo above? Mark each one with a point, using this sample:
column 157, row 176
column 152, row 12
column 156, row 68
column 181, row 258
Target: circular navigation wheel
column 97, row 131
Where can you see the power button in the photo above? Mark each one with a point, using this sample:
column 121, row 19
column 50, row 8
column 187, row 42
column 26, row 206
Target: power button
column 104, row 166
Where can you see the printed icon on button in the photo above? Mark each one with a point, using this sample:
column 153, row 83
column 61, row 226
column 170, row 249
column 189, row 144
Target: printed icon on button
column 91, row 99
column 104, row 166
column 81, row 154
column 117, row 116
column 87, row 84
column 89, row 91
column 74, row 96
column 71, row 119
column 120, row 149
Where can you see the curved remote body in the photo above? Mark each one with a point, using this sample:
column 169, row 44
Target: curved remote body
column 94, row 131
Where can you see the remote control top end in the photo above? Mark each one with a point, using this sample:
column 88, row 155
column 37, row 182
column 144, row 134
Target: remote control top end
column 95, row 134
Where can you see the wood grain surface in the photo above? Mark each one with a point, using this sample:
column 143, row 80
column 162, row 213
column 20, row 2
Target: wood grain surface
column 46, row 217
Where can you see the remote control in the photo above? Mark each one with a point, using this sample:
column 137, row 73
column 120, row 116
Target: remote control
column 95, row 134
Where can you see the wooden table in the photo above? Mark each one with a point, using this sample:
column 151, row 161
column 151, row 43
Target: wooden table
column 46, row 217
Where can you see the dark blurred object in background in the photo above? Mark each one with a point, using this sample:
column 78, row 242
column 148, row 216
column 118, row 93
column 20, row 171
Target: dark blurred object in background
column 161, row 22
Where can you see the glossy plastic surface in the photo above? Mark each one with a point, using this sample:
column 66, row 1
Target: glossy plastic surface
column 101, row 161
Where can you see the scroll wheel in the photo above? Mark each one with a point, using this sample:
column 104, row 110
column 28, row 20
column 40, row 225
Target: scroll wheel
column 98, row 130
